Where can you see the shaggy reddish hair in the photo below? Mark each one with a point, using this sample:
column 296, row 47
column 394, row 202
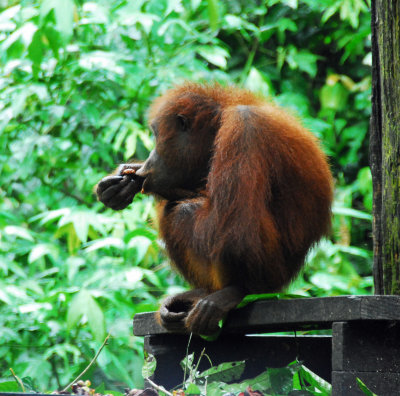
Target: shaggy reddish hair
column 265, row 198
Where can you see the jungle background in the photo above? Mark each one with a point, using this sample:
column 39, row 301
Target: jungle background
column 76, row 79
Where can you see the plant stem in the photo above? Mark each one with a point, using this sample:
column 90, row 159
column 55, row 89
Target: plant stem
column 158, row 387
column 187, row 354
column 89, row 365
column 18, row 380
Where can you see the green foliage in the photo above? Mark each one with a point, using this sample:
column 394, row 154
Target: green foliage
column 295, row 379
column 9, row 385
column 149, row 366
column 76, row 79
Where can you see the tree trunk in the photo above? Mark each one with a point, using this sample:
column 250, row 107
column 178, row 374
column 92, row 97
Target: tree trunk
column 385, row 144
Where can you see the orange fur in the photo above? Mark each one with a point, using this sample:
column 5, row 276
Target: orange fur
column 263, row 196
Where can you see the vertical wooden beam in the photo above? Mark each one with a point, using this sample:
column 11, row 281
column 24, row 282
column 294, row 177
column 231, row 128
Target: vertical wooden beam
column 385, row 144
column 375, row 154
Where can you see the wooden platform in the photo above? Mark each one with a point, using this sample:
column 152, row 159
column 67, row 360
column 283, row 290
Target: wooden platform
column 293, row 314
column 365, row 341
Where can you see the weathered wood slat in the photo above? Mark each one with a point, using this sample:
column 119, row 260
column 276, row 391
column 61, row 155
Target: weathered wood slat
column 293, row 314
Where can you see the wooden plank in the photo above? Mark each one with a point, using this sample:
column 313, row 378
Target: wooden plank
column 380, row 307
column 146, row 324
column 294, row 314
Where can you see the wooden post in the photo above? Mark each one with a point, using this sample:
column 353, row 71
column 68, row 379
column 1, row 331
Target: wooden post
column 366, row 351
column 385, row 144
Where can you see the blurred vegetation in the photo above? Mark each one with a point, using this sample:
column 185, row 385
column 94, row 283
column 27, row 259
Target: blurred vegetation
column 76, row 80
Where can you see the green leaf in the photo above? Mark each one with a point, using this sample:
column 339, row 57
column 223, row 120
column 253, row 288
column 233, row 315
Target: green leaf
column 149, row 366
column 9, row 385
column 84, row 305
column 334, row 96
column 141, row 245
column 76, row 309
column 19, row 102
column 213, row 54
column 296, row 381
column 73, row 242
column 266, row 296
column 174, row 6
column 101, row 389
column 171, row 22
column 294, row 101
column 367, row 59
column 105, row 243
column 213, row 15
column 38, row 252
column 51, row 215
column 355, row 251
column 9, row 13
column 20, row 232
column 101, row 60
column 25, row 33
column 35, row 49
column 358, row 214
column 92, row 114
column 122, row 369
column 54, row 39
column 36, row 367
column 30, row 384
column 292, row 3
column 94, row 14
column 233, row 22
column 261, row 382
column 64, row 13
column 281, row 380
column 96, row 320
column 45, row 7
column 328, row 281
column 303, row 60
column 134, row 275
column 316, row 381
column 192, row 389
column 225, row 372
column 187, row 363
column 62, row 351
column 286, row 24
column 259, row 83
column 80, row 221
column 364, row 388
column 144, row 20
column 4, row 297
column 130, row 144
